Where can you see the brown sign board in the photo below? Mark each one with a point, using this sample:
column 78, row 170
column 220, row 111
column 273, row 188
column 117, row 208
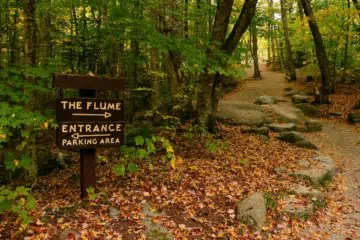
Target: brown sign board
column 89, row 109
column 86, row 82
column 85, row 135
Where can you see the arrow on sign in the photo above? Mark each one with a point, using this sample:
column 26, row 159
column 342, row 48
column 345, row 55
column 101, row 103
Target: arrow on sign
column 105, row 114
column 77, row 135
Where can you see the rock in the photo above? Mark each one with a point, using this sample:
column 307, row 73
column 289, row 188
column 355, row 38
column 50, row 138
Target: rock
column 259, row 131
column 264, row 138
column 262, row 100
column 282, row 127
column 357, row 105
column 302, row 190
column 154, row 231
column 354, row 117
column 280, row 170
column 327, row 163
column 288, row 89
column 309, row 110
column 288, row 114
column 336, row 114
column 150, row 211
column 316, row 176
column 306, row 144
column 295, row 92
column 294, row 207
column 252, row 210
column 297, row 139
column 114, row 212
column 291, row 137
column 242, row 114
column 313, row 126
column 301, row 99
column 304, row 163
column 69, row 234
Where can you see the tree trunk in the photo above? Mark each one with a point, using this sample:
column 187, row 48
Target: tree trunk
column 210, row 84
column 346, row 50
column 300, row 10
column 30, row 29
column 290, row 65
column 323, row 62
column 273, row 33
column 30, row 32
column 254, row 34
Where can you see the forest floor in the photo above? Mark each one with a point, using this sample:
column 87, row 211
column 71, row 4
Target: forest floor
column 197, row 199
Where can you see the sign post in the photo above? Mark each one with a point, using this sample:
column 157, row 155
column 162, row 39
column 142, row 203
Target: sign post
column 87, row 123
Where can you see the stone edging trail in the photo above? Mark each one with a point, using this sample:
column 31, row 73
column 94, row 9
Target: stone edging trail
column 261, row 106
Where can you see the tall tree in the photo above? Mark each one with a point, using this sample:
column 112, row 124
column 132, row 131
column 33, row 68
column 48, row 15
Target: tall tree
column 30, row 29
column 346, row 48
column 254, row 38
column 290, row 63
column 273, row 31
column 210, row 84
column 322, row 94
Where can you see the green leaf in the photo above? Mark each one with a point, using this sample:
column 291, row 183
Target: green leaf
column 25, row 217
column 142, row 153
column 150, row 145
column 120, row 170
column 30, row 203
column 25, row 161
column 139, row 140
column 132, row 167
column 22, row 190
column 8, row 157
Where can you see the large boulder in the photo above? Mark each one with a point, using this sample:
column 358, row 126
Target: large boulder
column 314, row 175
column 324, row 170
column 295, row 92
column 282, row 127
column 252, row 210
column 297, row 139
column 288, row 114
column 259, row 131
column 302, row 190
column 155, row 231
column 313, row 126
column 291, row 137
column 326, row 163
column 301, row 99
column 306, row 144
column 354, row 117
column 262, row 100
column 294, row 207
column 309, row 110
column 242, row 114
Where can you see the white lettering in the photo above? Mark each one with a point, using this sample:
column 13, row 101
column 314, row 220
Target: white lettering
column 88, row 105
column 64, row 104
column 118, row 106
column 64, row 128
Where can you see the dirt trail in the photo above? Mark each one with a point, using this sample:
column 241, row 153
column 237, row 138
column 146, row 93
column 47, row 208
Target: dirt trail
column 337, row 140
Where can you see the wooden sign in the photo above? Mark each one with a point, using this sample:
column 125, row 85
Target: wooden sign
column 88, row 123
column 89, row 109
column 83, row 135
